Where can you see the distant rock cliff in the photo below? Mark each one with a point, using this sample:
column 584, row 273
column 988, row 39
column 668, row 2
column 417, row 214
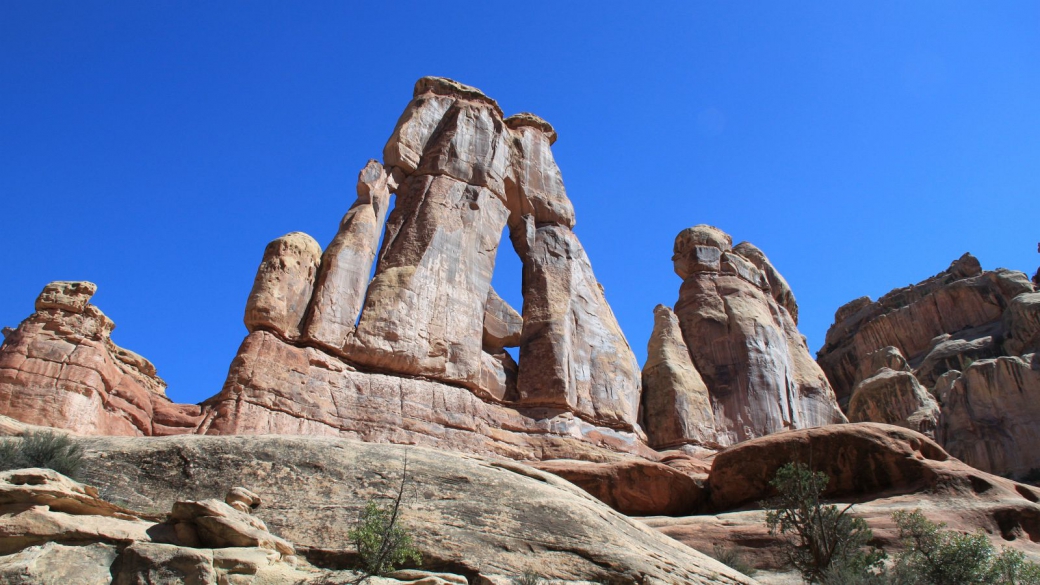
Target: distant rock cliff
column 60, row 368
column 954, row 356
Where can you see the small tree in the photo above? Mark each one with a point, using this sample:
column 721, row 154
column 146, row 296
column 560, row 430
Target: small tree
column 933, row 556
column 381, row 542
column 825, row 537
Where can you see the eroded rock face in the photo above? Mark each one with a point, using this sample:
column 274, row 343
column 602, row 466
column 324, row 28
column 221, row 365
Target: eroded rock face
column 61, row 368
column 347, row 263
column 896, row 398
column 277, row 388
column 963, row 319
column 572, row 352
column 961, row 298
column 676, row 400
column 481, row 518
column 991, row 414
column 283, row 285
column 743, row 340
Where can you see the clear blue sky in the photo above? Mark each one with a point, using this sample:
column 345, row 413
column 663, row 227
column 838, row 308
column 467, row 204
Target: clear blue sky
column 156, row 147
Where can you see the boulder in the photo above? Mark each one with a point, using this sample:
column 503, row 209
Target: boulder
column 859, row 458
column 60, row 368
column 502, row 324
column 879, row 469
column 744, row 344
column 214, row 524
column 896, row 398
column 58, row 563
column 283, row 285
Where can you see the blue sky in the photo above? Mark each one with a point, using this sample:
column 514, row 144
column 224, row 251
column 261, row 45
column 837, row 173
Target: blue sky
column 156, row 147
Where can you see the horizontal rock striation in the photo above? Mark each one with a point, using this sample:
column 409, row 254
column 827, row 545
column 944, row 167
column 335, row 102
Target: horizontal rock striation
column 61, row 368
column 965, row 338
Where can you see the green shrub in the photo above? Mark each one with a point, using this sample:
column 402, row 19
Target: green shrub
column 43, row 449
column 733, row 559
column 382, row 544
column 823, row 535
column 933, row 556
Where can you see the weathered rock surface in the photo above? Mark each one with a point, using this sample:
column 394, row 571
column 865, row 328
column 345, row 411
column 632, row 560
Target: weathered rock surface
column 860, row 458
column 283, row 285
column 347, row 263
column 960, row 298
column 634, row 487
column 991, row 414
column 896, row 398
column 572, row 352
column 502, row 324
column 743, row 341
column 878, row 468
column 277, row 388
column 61, row 368
column 963, row 319
column 675, row 398
column 469, row 515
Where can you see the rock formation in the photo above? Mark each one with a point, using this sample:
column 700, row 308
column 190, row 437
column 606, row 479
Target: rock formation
column 966, row 337
column 426, row 360
column 880, row 469
column 347, row 263
column 746, row 356
column 283, row 286
column 60, row 368
column 481, row 518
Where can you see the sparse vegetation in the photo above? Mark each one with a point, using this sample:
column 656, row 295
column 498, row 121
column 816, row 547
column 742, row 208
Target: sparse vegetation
column 823, row 537
column 831, row 548
column 733, row 559
column 934, row 556
column 1032, row 476
column 382, row 544
column 42, row 449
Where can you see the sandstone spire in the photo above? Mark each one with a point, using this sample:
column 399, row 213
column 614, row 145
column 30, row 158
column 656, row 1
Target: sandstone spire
column 347, row 263
column 743, row 341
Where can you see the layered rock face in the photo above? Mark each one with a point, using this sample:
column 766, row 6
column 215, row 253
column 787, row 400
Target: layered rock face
column 952, row 356
column 60, row 368
column 740, row 351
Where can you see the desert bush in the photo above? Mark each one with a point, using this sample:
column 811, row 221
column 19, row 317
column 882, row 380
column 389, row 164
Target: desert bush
column 382, row 544
column 822, row 535
column 733, row 559
column 934, row 556
column 43, row 449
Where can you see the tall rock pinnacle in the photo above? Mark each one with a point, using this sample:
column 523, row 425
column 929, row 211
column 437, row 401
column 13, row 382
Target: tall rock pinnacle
column 737, row 318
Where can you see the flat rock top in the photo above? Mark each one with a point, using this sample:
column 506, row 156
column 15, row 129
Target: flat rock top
column 450, row 87
column 469, row 514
